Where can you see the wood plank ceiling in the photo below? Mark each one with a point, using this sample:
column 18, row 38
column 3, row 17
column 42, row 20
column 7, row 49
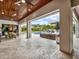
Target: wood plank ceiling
column 19, row 9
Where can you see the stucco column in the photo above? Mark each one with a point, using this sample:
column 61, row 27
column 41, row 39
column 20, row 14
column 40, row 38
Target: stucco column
column 77, row 29
column 19, row 30
column 66, row 33
column 28, row 29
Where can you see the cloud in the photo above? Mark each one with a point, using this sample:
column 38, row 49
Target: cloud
column 48, row 19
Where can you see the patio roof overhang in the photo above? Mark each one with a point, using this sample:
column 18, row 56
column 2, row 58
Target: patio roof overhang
column 47, row 9
column 13, row 12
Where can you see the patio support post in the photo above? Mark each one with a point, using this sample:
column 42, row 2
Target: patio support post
column 66, row 33
column 77, row 29
column 28, row 29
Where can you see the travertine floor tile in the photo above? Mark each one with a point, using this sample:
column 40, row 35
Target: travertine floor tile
column 35, row 48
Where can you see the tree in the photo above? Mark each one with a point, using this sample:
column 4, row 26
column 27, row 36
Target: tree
column 23, row 29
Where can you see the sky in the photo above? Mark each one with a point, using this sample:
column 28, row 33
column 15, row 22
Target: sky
column 49, row 19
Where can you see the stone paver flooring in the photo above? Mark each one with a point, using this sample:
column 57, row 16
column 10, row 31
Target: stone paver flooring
column 35, row 48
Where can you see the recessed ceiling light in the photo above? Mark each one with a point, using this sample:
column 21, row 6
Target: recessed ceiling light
column 29, row 9
column 18, row 4
column 14, row 15
column 23, row 1
column 2, row 12
column 1, row 0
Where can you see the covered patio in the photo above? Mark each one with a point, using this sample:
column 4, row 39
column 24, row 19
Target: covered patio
column 37, row 47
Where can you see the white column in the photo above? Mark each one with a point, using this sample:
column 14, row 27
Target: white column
column 77, row 29
column 28, row 29
column 66, row 34
column 19, row 30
